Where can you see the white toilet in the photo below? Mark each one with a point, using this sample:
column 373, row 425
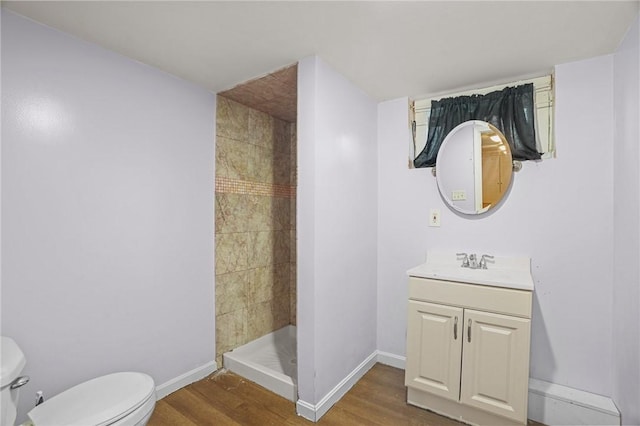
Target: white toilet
column 119, row 399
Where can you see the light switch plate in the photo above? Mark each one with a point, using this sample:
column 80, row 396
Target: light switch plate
column 434, row 217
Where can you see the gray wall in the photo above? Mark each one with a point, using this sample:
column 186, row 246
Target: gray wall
column 337, row 222
column 626, row 216
column 107, row 212
column 559, row 212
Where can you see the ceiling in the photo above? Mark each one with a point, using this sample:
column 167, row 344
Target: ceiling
column 389, row 49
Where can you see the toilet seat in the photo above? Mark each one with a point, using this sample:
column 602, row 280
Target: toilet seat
column 98, row 402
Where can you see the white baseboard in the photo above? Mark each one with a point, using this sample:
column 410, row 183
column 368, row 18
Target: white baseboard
column 554, row 404
column 550, row 403
column 314, row 412
column 393, row 360
column 185, row 379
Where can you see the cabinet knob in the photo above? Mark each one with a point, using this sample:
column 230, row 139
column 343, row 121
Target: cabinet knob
column 469, row 330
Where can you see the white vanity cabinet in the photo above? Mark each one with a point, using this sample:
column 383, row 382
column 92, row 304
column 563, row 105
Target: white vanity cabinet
column 468, row 350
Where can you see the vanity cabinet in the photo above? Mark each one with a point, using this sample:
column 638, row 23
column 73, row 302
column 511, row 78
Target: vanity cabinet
column 468, row 350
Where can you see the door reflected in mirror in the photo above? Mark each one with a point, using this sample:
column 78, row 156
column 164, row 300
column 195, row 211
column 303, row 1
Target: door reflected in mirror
column 474, row 167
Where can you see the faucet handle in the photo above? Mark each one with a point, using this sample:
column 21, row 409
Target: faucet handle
column 483, row 260
column 465, row 261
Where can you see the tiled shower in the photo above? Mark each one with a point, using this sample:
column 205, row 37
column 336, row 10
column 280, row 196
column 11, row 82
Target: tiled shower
column 255, row 236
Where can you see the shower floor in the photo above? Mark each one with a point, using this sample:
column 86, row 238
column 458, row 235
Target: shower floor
column 269, row 361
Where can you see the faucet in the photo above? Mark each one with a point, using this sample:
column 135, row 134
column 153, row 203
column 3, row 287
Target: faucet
column 483, row 261
column 465, row 260
column 471, row 261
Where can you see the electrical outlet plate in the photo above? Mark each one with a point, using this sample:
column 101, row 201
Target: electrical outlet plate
column 458, row 195
column 434, row 217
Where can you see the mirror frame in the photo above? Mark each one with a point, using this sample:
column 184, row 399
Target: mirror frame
column 459, row 167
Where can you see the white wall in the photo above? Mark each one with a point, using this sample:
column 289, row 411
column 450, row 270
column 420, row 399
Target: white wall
column 558, row 212
column 337, row 222
column 107, row 212
column 626, row 213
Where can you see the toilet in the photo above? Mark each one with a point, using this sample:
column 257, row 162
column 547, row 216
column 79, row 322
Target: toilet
column 118, row 399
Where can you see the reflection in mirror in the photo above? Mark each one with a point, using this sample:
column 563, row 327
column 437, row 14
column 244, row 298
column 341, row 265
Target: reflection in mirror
column 474, row 167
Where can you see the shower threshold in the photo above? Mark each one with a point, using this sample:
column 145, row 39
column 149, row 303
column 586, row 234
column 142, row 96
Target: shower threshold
column 269, row 361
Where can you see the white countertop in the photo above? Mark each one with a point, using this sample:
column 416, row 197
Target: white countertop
column 506, row 272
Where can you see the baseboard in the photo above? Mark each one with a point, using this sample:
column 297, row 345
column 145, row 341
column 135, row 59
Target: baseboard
column 185, row 379
column 550, row 403
column 554, row 404
column 315, row 412
column 393, row 360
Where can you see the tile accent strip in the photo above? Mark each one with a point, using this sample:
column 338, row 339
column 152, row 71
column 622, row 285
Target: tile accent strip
column 236, row 186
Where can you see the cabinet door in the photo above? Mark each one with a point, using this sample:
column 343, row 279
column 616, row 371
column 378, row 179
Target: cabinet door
column 495, row 364
column 434, row 349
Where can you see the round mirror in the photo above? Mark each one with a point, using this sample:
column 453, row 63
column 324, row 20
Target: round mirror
column 474, row 167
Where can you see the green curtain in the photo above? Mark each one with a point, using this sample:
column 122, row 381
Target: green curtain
column 511, row 110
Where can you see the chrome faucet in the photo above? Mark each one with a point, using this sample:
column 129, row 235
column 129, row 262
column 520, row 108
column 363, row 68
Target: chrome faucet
column 483, row 261
column 471, row 260
column 465, row 260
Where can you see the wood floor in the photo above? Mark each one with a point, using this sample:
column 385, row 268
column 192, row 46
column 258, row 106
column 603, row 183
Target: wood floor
column 224, row 398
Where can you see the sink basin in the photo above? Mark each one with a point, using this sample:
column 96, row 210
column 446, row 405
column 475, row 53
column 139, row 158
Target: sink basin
column 506, row 272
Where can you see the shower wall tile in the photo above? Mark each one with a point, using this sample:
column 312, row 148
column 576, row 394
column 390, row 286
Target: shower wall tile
column 231, row 253
column 231, row 292
column 281, row 136
column 261, row 249
column 261, row 161
column 267, row 317
column 232, row 120
column 260, row 213
column 255, row 225
column 293, row 294
column 231, row 331
column 281, row 214
column 232, row 158
column 232, row 213
column 261, row 285
column 261, row 129
column 281, row 247
column 282, row 168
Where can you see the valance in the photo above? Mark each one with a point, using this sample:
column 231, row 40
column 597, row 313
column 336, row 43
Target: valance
column 511, row 110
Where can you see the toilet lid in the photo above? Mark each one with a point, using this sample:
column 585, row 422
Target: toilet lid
column 97, row 402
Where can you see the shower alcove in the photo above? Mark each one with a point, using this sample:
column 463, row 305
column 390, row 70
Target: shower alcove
column 255, row 231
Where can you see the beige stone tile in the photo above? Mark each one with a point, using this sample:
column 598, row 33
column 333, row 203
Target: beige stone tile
column 292, row 213
column 232, row 213
column 232, row 119
column 281, row 214
column 231, row 252
column 232, row 158
column 261, row 164
column 281, row 247
column 261, row 285
column 231, row 331
column 260, row 320
column 260, row 129
column 293, row 246
column 231, row 292
column 261, row 248
column 293, row 294
column 259, row 213
column 281, row 287
column 281, row 136
column 282, row 168
column 280, row 312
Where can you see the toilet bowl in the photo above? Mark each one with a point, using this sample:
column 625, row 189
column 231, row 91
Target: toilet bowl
column 118, row 399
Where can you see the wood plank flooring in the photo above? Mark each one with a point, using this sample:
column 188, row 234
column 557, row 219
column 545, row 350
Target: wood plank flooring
column 224, row 398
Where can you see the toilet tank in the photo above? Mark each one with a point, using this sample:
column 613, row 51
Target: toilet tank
column 12, row 362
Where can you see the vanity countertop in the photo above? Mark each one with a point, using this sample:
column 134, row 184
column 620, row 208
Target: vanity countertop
column 505, row 272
